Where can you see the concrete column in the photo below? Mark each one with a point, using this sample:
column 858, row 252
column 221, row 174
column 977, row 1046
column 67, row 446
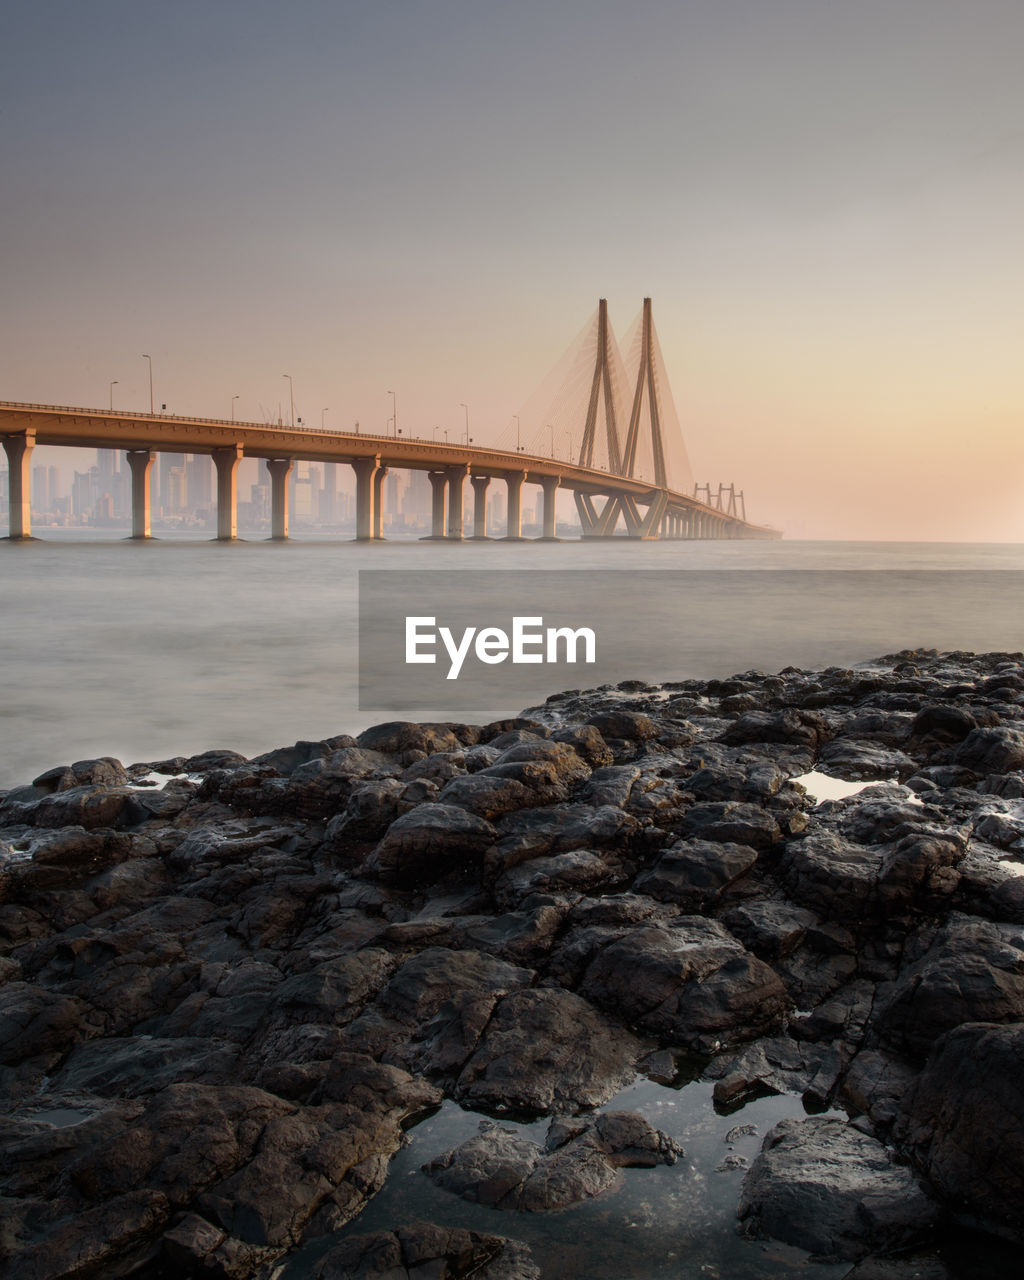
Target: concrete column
column 514, row 521
column 438, row 486
column 280, row 469
column 480, row 484
column 19, row 476
column 549, row 484
column 366, row 470
column 456, row 483
column 226, row 461
column 141, row 463
column 378, row 503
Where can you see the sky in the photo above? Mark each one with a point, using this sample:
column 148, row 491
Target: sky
column 823, row 198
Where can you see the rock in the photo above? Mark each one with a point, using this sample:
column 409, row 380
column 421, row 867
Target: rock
column 999, row 750
column 578, row 1161
column 692, row 982
column 632, row 726
column 823, row 1186
column 544, row 1050
column 962, row 1121
column 695, row 873
column 972, row 972
column 425, row 1250
column 791, row 727
column 401, row 737
column 430, row 843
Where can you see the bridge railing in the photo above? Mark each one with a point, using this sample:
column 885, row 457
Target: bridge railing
column 326, row 431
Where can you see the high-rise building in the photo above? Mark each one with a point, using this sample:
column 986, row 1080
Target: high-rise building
column 172, row 491
column 199, row 483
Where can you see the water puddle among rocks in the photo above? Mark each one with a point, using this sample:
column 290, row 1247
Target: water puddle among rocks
column 675, row 1221
column 63, row 1117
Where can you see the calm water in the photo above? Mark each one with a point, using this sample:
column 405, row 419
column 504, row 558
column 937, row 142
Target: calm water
column 167, row 648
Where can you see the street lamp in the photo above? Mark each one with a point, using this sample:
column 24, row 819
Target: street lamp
column 569, row 434
column 552, row 430
column 233, row 399
column 466, row 407
column 436, row 430
column 518, row 446
column 322, row 412
column 394, row 411
column 150, row 359
column 291, row 395
column 111, row 389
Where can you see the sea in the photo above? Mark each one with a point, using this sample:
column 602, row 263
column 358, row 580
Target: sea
column 171, row 647
column 145, row 651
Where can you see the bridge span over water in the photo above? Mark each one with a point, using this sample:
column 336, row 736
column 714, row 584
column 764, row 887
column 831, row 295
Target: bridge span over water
column 613, row 497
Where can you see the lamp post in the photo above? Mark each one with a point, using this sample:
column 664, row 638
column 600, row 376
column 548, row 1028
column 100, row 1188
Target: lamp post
column 322, row 412
column 466, row 407
column 111, row 390
column 150, row 359
column 291, row 395
column 233, row 399
column 552, row 430
column 518, row 446
column 569, row 434
column 394, row 411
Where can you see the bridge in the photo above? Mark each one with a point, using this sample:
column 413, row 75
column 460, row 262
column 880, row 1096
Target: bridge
column 621, row 479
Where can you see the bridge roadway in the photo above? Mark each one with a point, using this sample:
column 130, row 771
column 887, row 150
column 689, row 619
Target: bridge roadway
column 646, row 511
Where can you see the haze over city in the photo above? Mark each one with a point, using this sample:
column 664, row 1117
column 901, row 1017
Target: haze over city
column 412, row 209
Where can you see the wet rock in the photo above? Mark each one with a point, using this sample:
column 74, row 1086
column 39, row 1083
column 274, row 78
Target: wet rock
column 432, row 842
column 579, row 1161
column 823, row 1186
column 999, row 750
column 692, row 982
column 972, row 972
column 962, row 1121
column 425, row 1250
column 696, row 873
column 791, row 727
column 401, row 738
column 544, row 1050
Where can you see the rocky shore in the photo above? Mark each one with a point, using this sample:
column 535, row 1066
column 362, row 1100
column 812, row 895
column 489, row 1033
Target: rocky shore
column 228, row 987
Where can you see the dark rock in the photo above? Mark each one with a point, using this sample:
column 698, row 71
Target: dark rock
column 580, row 1160
column 972, row 972
column 823, row 1186
column 423, row 1251
column 692, row 982
column 998, row 750
column 963, row 1122
column 546, row 1050
column 695, row 873
column 430, row 843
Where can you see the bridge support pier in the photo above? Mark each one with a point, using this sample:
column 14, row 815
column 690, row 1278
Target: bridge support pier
column 279, row 469
column 19, row 476
column 378, row 504
column 549, row 485
column 141, row 463
column 226, row 460
column 480, row 484
column 366, row 492
column 514, row 506
column 456, row 483
column 438, row 488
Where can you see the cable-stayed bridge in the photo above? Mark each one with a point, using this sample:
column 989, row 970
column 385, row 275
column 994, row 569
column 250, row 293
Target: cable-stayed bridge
column 626, row 466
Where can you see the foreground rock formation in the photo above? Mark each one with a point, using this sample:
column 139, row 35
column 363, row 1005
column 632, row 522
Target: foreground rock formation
column 229, row 985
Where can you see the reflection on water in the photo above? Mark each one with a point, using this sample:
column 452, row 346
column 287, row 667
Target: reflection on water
column 673, row 1221
column 168, row 648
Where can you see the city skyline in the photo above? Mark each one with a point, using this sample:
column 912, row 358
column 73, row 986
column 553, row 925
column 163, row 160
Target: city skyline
column 373, row 211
